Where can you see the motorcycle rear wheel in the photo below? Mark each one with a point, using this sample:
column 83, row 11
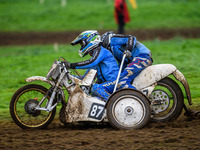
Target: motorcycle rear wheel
column 128, row 109
column 169, row 92
column 22, row 107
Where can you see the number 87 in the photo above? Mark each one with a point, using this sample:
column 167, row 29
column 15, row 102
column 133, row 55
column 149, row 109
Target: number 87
column 96, row 111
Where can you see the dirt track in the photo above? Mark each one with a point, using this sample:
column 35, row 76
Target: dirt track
column 182, row 134
column 29, row 38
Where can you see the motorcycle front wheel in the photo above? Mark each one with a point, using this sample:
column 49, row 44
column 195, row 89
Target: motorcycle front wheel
column 166, row 101
column 22, row 107
column 128, row 109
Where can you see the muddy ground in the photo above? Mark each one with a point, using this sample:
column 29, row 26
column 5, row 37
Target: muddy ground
column 183, row 134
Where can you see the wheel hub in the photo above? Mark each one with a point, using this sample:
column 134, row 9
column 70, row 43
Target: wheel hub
column 30, row 107
column 159, row 101
column 129, row 110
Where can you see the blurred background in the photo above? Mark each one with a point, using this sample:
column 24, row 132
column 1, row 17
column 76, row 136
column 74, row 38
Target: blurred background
column 70, row 15
column 59, row 19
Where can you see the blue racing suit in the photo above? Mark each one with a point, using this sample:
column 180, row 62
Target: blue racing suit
column 107, row 68
column 140, row 59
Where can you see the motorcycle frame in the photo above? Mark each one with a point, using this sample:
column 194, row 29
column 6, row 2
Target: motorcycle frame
column 87, row 102
column 145, row 82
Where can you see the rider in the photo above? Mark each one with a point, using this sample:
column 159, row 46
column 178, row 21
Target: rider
column 102, row 60
column 140, row 56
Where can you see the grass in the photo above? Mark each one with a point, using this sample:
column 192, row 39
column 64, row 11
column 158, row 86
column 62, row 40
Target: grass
column 23, row 15
column 20, row 62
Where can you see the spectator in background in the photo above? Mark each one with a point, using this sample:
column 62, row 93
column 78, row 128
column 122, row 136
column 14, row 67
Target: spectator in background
column 121, row 15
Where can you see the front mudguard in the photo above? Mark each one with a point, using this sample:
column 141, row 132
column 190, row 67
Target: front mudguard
column 40, row 78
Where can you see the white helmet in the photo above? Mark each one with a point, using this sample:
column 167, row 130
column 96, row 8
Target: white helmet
column 88, row 40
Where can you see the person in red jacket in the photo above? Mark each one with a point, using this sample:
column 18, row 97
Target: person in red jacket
column 121, row 15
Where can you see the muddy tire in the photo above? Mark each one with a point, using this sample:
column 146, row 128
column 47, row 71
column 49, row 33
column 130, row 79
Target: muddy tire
column 169, row 101
column 128, row 109
column 22, row 107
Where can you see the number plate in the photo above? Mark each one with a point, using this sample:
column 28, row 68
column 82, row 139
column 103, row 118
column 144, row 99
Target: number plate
column 96, row 111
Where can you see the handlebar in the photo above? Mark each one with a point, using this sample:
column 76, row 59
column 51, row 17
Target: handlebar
column 63, row 60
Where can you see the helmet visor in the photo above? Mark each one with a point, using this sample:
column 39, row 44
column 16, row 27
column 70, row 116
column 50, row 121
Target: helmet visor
column 77, row 40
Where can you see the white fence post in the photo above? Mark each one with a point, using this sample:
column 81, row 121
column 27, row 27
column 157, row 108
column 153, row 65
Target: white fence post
column 63, row 3
column 42, row 1
column 56, row 47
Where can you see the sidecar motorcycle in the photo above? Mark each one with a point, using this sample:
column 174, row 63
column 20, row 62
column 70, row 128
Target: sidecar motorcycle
column 157, row 98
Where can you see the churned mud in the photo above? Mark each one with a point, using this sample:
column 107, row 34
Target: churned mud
column 182, row 134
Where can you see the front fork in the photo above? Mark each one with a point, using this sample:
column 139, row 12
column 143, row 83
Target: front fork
column 55, row 91
column 49, row 105
column 57, row 96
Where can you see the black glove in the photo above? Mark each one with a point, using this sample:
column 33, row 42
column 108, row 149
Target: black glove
column 67, row 64
column 128, row 54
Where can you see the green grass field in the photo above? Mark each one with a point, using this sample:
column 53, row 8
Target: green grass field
column 30, row 15
column 20, row 62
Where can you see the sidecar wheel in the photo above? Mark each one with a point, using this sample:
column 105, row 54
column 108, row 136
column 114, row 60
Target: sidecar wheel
column 166, row 101
column 22, row 107
column 128, row 109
